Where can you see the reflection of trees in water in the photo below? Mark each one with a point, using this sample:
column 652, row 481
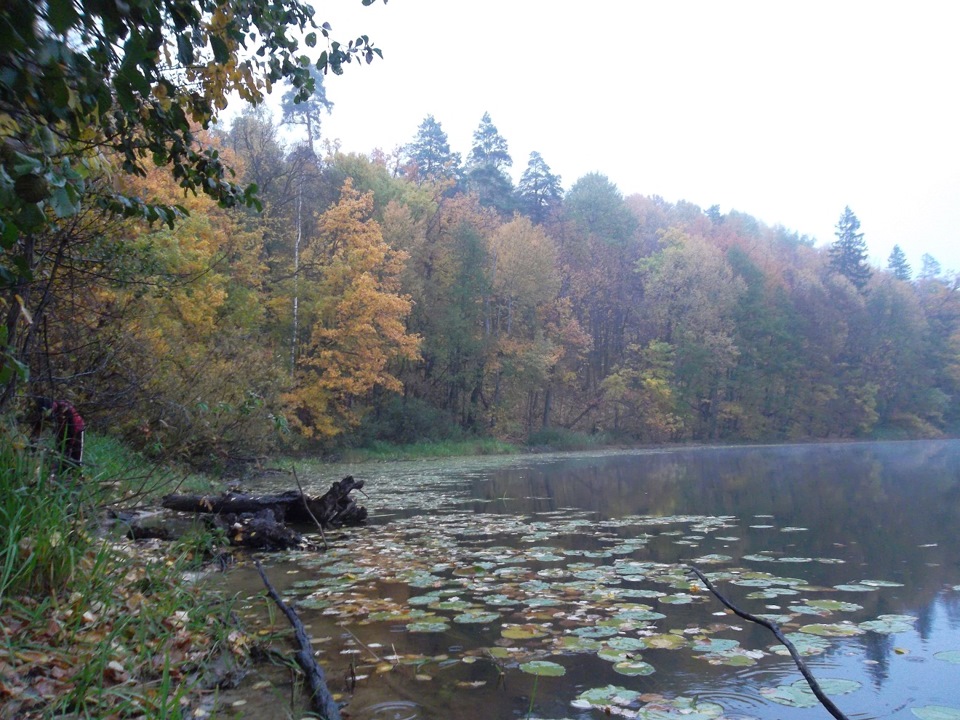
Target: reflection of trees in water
column 877, row 648
column 888, row 509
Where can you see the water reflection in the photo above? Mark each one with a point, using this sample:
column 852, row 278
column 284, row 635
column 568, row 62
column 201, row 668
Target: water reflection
column 827, row 515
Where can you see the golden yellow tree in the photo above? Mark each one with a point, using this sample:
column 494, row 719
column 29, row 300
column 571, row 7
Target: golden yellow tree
column 354, row 318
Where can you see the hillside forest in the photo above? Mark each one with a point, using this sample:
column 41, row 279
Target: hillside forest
column 417, row 295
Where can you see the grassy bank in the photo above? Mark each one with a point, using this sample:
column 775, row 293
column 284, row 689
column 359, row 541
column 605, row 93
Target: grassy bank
column 549, row 440
column 383, row 451
column 90, row 625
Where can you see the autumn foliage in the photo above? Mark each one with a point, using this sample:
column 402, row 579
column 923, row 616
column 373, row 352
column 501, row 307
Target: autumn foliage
column 372, row 300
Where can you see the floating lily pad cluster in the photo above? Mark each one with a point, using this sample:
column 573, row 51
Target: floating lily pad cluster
column 530, row 591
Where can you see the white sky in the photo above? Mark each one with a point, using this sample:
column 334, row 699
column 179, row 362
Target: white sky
column 784, row 110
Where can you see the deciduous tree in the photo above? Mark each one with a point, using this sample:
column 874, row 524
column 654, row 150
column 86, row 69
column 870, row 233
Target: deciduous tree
column 355, row 313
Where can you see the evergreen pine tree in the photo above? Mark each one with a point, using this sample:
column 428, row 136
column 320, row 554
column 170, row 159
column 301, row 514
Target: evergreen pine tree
column 897, row 262
column 930, row 267
column 429, row 156
column 848, row 255
column 539, row 190
column 306, row 112
column 486, row 167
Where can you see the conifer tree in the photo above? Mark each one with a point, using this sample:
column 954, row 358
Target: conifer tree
column 486, row 167
column 848, row 255
column 898, row 265
column 539, row 190
column 429, row 157
column 309, row 111
column 930, row 267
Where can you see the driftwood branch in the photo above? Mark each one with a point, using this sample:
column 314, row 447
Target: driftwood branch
column 775, row 629
column 303, row 497
column 320, row 698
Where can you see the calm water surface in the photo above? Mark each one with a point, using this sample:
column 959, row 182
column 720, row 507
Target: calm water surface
column 583, row 551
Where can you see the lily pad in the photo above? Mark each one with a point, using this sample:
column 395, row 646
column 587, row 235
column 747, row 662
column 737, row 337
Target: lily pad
column 477, row 617
column 595, row 631
column 634, row 666
column 611, row 695
column 523, row 632
column 665, row 641
column 735, row 657
column 834, row 630
column 800, row 695
column 950, row 656
column 423, row 599
column 572, row 643
column 855, row 587
column 625, row 643
column 679, row 599
column 936, row 712
column 889, row 624
column 543, row 668
column 834, row 605
column 805, row 644
column 682, row 708
column 714, row 645
column 427, row 627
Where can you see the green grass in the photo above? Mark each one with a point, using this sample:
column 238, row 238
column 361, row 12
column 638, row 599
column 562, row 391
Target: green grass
column 130, row 476
column 99, row 627
column 381, row 451
column 560, row 439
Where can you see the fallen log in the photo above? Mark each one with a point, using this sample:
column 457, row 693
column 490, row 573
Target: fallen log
column 334, row 509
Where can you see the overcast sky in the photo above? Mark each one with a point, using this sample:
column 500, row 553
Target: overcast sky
column 787, row 111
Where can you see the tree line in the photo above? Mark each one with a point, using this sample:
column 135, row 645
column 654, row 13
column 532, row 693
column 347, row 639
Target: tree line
column 329, row 298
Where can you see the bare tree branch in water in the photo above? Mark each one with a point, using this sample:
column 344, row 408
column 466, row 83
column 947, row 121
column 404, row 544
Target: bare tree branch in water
column 775, row 629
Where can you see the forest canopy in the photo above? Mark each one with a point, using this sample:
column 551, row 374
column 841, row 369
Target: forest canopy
column 323, row 297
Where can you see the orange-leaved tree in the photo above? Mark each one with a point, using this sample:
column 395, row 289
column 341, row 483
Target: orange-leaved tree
column 353, row 319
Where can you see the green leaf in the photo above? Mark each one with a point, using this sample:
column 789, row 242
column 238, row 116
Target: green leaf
column 609, row 695
column 543, row 668
column 633, row 667
column 835, row 630
column 62, row 15
column 427, row 627
column 800, row 695
column 220, row 51
column 63, row 206
column 889, row 624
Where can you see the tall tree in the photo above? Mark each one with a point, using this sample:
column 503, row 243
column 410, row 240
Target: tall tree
column 429, row 158
column 306, row 111
column 930, row 268
column 897, row 262
column 487, row 165
column 539, row 191
column 598, row 250
column 88, row 85
column 848, row 255
column 356, row 313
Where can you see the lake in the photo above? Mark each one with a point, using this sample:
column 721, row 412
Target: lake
column 552, row 586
